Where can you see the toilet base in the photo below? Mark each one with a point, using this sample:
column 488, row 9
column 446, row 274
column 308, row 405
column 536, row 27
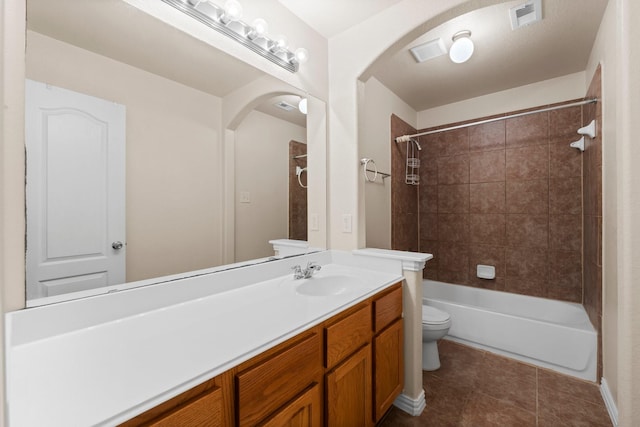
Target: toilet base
column 430, row 356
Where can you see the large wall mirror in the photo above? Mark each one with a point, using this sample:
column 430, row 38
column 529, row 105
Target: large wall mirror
column 192, row 200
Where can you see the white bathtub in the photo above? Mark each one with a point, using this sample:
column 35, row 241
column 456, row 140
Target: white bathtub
column 552, row 334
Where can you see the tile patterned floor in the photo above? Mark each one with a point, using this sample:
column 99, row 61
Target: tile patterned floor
column 475, row 388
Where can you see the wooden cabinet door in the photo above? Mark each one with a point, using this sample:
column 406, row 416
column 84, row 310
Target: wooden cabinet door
column 304, row 411
column 348, row 392
column 388, row 375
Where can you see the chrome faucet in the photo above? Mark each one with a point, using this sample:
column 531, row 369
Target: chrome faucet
column 299, row 273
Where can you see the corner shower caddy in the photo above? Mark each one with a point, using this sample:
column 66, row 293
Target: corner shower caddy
column 412, row 168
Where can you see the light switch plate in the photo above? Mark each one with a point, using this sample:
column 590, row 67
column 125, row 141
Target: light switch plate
column 347, row 223
column 315, row 223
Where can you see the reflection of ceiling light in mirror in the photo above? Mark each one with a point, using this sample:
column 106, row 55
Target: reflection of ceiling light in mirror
column 302, row 106
column 462, row 47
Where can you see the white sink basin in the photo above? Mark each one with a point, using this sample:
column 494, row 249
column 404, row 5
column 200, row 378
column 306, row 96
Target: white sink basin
column 328, row 285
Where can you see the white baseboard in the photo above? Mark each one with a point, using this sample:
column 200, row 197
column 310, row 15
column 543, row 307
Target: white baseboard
column 609, row 402
column 411, row 406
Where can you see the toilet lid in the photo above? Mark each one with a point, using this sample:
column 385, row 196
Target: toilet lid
column 434, row 316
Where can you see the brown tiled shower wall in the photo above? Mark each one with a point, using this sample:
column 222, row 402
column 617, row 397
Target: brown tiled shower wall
column 507, row 194
column 297, row 194
column 404, row 198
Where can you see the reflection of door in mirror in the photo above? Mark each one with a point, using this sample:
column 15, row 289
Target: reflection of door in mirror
column 75, row 191
column 297, row 190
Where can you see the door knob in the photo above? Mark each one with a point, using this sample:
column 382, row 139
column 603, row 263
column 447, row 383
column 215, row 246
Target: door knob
column 117, row 245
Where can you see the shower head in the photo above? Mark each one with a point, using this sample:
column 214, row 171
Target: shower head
column 415, row 141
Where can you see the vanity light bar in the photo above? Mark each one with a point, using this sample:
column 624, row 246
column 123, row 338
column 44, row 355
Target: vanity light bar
column 240, row 32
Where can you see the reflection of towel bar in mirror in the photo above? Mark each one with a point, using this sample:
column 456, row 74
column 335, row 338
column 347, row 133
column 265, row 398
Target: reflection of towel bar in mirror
column 384, row 175
column 365, row 163
column 299, row 171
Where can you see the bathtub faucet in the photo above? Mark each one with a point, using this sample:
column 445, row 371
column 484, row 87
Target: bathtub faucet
column 299, row 273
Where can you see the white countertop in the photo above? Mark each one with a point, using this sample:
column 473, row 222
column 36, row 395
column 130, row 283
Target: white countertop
column 105, row 359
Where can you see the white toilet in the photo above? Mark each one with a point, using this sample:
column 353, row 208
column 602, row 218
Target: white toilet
column 435, row 325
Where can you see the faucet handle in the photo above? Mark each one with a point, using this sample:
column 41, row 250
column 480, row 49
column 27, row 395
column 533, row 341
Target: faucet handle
column 312, row 265
column 297, row 271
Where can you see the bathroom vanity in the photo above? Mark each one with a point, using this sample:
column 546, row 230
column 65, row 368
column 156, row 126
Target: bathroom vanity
column 356, row 353
column 241, row 347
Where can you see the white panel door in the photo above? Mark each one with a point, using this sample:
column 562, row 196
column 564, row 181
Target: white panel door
column 75, row 191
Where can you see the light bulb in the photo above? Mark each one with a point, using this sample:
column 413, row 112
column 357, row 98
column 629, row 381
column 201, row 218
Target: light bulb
column 260, row 26
column 232, row 11
column 301, row 55
column 279, row 43
column 462, row 47
column 302, row 106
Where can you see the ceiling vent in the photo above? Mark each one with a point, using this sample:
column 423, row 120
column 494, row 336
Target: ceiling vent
column 284, row 106
column 429, row 50
column 526, row 14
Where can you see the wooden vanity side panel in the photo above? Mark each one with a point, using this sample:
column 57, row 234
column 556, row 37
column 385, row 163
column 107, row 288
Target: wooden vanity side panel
column 347, row 335
column 265, row 387
column 387, row 308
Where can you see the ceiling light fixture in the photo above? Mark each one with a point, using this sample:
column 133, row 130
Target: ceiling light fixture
column 302, row 106
column 227, row 20
column 462, row 47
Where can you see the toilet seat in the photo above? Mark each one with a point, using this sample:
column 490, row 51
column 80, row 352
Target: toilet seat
column 433, row 316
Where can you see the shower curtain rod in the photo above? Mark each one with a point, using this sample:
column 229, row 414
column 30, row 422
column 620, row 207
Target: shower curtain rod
column 405, row 138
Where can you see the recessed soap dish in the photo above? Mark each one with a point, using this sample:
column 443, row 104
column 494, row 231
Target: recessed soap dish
column 486, row 271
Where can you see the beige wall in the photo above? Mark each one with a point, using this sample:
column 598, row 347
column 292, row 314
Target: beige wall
column 173, row 153
column 628, row 245
column 262, row 170
column 540, row 93
column 377, row 105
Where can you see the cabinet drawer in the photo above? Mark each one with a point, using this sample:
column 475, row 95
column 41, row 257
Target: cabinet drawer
column 388, row 308
column 205, row 410
column 265, row 387
column 347, row 335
